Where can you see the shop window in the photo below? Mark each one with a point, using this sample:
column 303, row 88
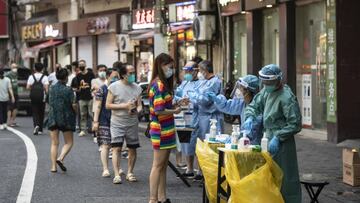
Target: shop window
column 240, row 46
column 271, row 45
column 311, row 63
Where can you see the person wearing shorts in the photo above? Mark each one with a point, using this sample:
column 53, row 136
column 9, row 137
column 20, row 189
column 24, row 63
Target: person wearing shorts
column 12, row 107
column 124, row 101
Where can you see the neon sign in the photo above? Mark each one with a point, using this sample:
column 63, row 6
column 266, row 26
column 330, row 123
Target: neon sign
column 143, row 18
column 185, row 12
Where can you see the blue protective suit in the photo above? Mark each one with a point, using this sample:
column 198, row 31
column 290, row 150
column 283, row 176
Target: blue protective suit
column 237, row 106
column 207, row 108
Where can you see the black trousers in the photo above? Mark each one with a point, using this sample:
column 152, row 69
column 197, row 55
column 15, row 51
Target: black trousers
column 38, row 111
column 3, row 112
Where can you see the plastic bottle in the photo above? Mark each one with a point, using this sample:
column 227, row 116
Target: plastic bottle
column 264, row 143
column 234, row 137
column 213, row 130
column 244, row 142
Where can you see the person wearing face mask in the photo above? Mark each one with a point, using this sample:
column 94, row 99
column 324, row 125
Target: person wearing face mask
column 189, row 83
column 101, row 123
column 82, row 86
column 281, row 120
column 245, row 90
column 61, row 118
column 124, row 101
column 12, row 107
column 96, row 83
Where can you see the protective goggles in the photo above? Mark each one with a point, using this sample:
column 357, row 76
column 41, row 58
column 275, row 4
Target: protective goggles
column 269, row 77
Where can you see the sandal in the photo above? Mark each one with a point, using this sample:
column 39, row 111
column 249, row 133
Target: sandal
column 61, row 165
column 117, row 180
column 121, row 172
column 131, row 177
column 106, row 174
column 53, row 171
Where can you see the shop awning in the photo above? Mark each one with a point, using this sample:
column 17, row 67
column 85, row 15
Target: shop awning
column 47, row 44
column 143, row 36
column 180, row 27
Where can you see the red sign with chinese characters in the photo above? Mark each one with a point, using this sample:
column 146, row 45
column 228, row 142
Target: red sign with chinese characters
column 3, row 19
column 143, row 18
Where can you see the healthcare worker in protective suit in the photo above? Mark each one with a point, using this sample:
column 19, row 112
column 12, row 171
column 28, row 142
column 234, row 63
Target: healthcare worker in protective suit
column 189, row 83
column 244, row 91
column 207, row 109
column 281, row 120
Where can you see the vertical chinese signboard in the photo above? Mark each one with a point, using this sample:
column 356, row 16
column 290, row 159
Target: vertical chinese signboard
column 3, row 19
column 331, row 61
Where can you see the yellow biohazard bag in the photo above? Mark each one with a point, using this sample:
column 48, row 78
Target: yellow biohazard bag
column 208, row 158
column 251, row 182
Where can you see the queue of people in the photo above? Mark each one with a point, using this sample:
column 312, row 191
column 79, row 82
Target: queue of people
column 108, row 105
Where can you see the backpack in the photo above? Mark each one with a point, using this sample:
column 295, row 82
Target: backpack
column 37, row 91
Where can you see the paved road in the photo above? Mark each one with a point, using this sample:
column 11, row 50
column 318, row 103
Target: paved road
column 83, row 181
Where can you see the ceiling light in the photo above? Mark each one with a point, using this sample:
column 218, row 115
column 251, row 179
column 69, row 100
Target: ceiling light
column 269, row 6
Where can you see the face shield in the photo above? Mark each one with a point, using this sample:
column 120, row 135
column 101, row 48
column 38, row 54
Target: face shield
column 236, row 92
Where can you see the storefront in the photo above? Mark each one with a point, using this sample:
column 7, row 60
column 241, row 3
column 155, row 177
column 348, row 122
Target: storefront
column 46, row 43
column 236, row 38
column 142, row 35
column 96, row 39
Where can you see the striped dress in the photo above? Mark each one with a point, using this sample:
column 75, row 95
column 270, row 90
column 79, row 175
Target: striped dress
column 162, row 127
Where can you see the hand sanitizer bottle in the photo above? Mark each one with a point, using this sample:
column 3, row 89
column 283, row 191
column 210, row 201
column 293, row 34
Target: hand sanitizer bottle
column 264, row 143
column 234, row 137
column 213, row 130
column 244, row 142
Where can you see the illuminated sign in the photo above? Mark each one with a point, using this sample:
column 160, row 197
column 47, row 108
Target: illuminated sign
column 32, row 32
column 98, row 25
column 143, row 18
column 185, row 12
column 225, row 2
column 50, row 31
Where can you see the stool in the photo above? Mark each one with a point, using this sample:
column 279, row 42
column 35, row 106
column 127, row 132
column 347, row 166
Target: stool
column 310, row 186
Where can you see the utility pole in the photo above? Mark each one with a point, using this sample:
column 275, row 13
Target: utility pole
column 160, row 41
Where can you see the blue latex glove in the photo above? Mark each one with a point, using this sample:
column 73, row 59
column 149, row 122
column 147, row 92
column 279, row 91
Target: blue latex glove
column 179, row 93
column 247, row 126
column 211, row 96
column 274, row 145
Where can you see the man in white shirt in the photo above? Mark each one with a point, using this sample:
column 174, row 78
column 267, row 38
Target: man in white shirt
column 52, row 77
column 6, row 94
column 37, row 96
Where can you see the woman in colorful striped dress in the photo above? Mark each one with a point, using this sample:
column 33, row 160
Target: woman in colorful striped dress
column 162, row 126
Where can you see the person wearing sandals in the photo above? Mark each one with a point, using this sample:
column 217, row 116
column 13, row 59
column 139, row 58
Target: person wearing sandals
column 162, row 125
column 124, row 101
column 101, row 123
column 61, row 117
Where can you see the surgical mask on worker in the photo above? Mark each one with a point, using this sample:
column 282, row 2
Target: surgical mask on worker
column 14, row 70
column 114, row 79
column 169, row 72
column 200, row 76
column 269, row 88
column 102, row 74
column 131, row 78
column 188, row 77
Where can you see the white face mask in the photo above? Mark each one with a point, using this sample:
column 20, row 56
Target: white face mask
column 14, row 70
column 102, row 74
column 200, row 76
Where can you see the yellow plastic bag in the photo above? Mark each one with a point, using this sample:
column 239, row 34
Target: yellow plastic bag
column 208, row 158
column 257, row 182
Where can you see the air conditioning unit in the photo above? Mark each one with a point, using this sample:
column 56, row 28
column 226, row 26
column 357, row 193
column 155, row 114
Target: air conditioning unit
column 203, row 5
column 125, row 44
column 204, row 27
column 125, row 22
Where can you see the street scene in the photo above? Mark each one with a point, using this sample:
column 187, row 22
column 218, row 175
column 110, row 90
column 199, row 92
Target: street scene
column 160, row 101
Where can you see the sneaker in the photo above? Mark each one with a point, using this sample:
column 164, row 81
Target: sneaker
column 82, row 134
column 95, row 140
column 2, row 127
column 124, row 154
column 181, row 166
column 117, row 180
column 36, row 130
column 40, row 132
column 198, row 178
column 5, row 126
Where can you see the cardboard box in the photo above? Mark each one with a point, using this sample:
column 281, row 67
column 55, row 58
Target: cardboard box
column 351, row 174
column 351, row 157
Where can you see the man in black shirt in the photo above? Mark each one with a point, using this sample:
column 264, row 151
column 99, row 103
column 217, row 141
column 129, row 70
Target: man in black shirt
column 82, row 84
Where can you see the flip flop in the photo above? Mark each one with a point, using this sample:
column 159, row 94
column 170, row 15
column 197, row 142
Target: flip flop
column 61, row 165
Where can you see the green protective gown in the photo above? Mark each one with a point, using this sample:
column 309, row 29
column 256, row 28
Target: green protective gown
column 282, row 118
